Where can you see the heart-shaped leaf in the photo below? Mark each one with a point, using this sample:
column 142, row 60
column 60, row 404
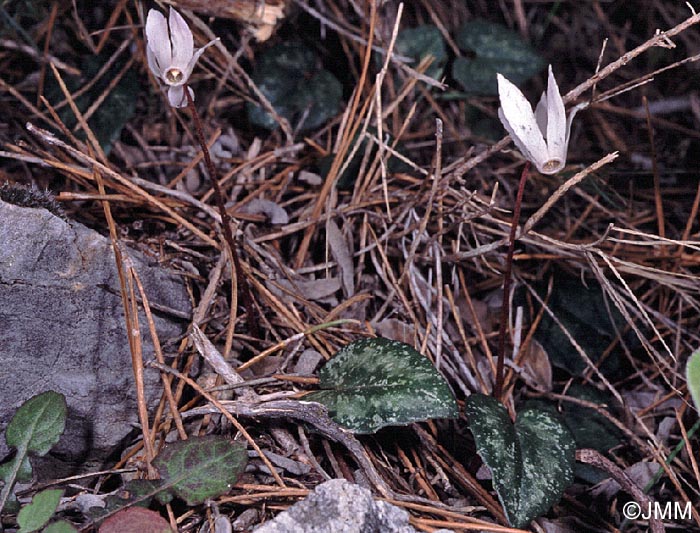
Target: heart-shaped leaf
column 201, row 468
column 291, row 79
column 423, row 41
column 692, row 374
column 494, row 49
column 531, row 461
column 378, row 382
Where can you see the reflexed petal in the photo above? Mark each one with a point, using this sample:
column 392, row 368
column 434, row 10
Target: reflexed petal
column 556, row 121
column 181, row 37
column 158, row 41
column 197, row 54
column 519, row 120
column 572, row 114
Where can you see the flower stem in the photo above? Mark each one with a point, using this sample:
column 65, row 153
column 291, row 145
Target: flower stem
column 225, row 218
column 505, row 307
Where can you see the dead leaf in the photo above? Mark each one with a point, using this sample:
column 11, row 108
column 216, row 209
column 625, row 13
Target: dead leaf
column 341, row 253
column 537, row 366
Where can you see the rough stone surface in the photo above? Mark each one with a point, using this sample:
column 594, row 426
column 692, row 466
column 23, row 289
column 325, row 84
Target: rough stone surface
column 62, row 328
column 338, row 506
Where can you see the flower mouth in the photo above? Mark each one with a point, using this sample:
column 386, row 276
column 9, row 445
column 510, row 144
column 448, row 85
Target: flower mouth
column 174, row 75
column 552, row 165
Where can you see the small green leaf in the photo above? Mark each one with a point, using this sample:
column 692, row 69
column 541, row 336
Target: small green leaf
column 494, row 49
column 531, row 462
column 291, row 79
column 692, row 374
column 378, row 382
column 421, row 42
column 38, row 423
column 35, row 515
column 200, row 468
column 60, row 527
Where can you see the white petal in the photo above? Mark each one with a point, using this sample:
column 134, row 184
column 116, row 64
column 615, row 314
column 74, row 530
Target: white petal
column 541, row 113
column 181, row 37
column 152, row 63
column 556, row 121
column 176, row 96
column 572, row 114
column 516, row 140
column 197, row 54
column 158, row 42
column 519, row 120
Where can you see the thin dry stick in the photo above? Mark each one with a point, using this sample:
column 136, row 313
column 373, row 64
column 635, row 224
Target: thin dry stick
column 563, row 189
column 378, row 108
column 134, row 334
column 167, row 379
column 594, row 458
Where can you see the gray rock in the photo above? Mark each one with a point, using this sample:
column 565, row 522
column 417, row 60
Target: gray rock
column 338, row 506
column 62, row 328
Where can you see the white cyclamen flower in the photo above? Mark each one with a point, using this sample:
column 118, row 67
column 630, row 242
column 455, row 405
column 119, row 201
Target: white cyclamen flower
column 542, row 136
column 171, row 53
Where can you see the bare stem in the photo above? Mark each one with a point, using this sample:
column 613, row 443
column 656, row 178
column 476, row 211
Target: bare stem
column 225, row 218
column 505, row 307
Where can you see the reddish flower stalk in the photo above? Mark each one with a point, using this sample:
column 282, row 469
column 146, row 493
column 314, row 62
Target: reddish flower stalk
column 507, row 273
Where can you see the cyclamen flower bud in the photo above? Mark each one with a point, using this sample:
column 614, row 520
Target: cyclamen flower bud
column 171, row 53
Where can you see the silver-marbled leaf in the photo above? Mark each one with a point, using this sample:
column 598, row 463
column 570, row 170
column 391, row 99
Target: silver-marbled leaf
column 372, row 383
column 531, row 461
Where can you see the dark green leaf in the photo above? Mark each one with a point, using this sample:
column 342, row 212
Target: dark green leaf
column 114, row 110
column 589, row 428
column 492, row 48
column 531, row 461
column 378, row 382
column 35, row 515
column 421, row 42
column 200, row 468
column 582, row 310
column 38, row 423
column 291, row 79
